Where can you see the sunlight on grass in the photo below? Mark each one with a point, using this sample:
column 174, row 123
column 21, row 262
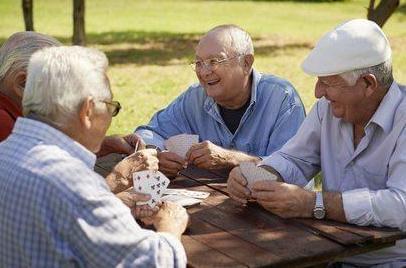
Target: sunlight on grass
column 149, row 43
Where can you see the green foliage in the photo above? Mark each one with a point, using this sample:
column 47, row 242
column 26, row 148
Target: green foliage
column 150, row 43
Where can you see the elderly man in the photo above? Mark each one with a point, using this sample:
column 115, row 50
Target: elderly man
column 238, row 113
column 355, row 134
column 55, row 211
column 14, row 56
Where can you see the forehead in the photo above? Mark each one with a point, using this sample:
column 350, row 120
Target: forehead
column 214, row 45
column 332, row 79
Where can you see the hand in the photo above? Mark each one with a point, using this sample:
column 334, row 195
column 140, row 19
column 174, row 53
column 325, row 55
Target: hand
column 120, row 178
column 171, row 218
column 209, row 156
column 135, row 142
column 122, row 145
column 237, row 186
column 130, row 199
column 170, row 163
column 283, row 199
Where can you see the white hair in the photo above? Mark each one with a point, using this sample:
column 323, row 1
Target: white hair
column 15, row 53
column 60, row 78
column 241, row 41
column 382, row 73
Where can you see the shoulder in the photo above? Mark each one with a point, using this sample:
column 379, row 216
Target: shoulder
column 6, row 124
column 278, row 90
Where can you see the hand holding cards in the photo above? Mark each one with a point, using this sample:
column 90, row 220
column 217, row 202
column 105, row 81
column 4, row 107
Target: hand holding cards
column 180, row 144
column 150, row 182
column 253, row 173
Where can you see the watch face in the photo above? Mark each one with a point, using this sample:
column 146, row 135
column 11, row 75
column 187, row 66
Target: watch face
column 319, row 213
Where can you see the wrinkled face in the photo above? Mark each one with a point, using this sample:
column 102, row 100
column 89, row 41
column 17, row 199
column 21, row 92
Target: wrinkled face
column 347, row 102
column 100, row 123
column 225, row 81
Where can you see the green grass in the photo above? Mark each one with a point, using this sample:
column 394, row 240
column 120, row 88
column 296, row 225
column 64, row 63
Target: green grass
column 149, row 43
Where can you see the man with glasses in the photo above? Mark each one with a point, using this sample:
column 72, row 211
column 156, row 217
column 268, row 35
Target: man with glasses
column 238, row 113
column 55, row 210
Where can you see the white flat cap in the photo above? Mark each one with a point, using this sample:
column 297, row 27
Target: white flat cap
column 352, row 45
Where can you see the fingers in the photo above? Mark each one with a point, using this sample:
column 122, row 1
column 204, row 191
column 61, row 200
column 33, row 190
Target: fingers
column 135, row 141
column 195, row 147
column 265, row 185
column 170, row 163
column 236, row 186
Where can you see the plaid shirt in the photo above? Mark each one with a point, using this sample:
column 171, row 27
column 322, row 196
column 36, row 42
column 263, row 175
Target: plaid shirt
column 55, row 211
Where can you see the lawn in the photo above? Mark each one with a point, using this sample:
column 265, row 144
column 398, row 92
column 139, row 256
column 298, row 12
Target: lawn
column 150, row 43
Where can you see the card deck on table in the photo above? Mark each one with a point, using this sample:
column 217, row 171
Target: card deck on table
column 150, row 182
column 253, row 173
column 184, row 197
column 180, row 144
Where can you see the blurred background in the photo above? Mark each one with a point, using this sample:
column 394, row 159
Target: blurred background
column 151, row 43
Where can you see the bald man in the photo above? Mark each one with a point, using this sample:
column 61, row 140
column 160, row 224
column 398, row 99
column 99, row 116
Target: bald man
column 238, row 113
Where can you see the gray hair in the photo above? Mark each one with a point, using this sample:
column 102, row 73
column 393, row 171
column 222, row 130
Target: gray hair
column 18, row 48
column 241, row 41
column 61, row 78
column 382, row 72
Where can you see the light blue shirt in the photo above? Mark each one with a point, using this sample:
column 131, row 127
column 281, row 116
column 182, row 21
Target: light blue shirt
column 273, row 116
column 371, row 178
column 56, row 212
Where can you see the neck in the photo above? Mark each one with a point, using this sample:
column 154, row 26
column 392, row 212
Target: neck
column 5, row 90
column 239, row 100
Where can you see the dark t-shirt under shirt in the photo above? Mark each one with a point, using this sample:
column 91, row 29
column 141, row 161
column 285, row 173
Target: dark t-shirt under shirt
column 232, row 117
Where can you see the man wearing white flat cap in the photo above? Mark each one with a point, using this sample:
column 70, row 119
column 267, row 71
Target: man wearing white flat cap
column 355, row 135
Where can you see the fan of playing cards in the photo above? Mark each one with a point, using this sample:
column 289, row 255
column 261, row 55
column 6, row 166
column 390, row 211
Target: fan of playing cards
column 150, row 182
column 180, row 144
column 184, row 197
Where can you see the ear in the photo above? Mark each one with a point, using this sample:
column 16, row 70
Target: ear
column 247, row 63
column 370, row 83
column 19, row 83
column 86, row 112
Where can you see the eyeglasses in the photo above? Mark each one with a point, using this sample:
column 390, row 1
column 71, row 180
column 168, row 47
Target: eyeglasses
column 211, row 64
column 113, row 107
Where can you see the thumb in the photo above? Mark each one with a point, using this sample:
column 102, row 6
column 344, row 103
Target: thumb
column 140, row 197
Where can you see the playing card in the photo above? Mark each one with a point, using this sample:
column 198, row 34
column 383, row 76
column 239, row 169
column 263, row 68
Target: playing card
column 181, row 200
column 180, row 144
column 187, row 193
column 254, row 173
column 150, row 182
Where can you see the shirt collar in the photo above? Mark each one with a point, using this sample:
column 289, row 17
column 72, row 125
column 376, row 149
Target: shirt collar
column 384, row 115
column 52, row 136
column 256, row 77
column 7, row 104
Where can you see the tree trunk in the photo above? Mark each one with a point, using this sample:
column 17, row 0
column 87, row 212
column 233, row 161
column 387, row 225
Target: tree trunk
column 382, row 12
column 79, row 37
column 27, row 12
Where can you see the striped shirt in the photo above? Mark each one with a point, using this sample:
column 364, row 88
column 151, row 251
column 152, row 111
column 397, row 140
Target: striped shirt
column 55, row 211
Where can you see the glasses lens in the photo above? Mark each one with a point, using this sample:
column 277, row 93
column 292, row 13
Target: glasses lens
column 116, row 108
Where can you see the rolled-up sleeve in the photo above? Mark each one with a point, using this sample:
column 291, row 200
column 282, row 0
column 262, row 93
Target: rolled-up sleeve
column 385, row 207
column 168, row 122
column 299, row 159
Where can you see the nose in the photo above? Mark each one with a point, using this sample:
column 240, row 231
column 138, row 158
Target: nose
column 319, row 90
column 205, row 70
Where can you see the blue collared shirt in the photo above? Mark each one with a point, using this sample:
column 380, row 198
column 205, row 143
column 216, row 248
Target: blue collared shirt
column 371, row 177
column 56, row 212
column 273, row 116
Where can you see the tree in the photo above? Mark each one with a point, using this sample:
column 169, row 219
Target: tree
column 27, row 12
column 381, row 13
column 79, row 36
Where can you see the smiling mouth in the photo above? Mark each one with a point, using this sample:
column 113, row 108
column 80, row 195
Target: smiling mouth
column 213, row 82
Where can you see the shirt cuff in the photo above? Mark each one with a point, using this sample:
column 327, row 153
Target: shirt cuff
column 178, row 248
column 357, row 206
column 288, row 171
column 151, row 137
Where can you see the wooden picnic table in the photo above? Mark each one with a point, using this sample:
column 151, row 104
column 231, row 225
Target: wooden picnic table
column 225, row 234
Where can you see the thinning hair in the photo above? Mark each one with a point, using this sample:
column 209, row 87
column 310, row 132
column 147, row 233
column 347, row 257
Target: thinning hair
column 61, row 78
column 382, row 73
column 15, row 53
column 241, row 41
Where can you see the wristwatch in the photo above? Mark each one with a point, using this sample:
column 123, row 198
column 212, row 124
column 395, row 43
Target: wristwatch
column 319, row 212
